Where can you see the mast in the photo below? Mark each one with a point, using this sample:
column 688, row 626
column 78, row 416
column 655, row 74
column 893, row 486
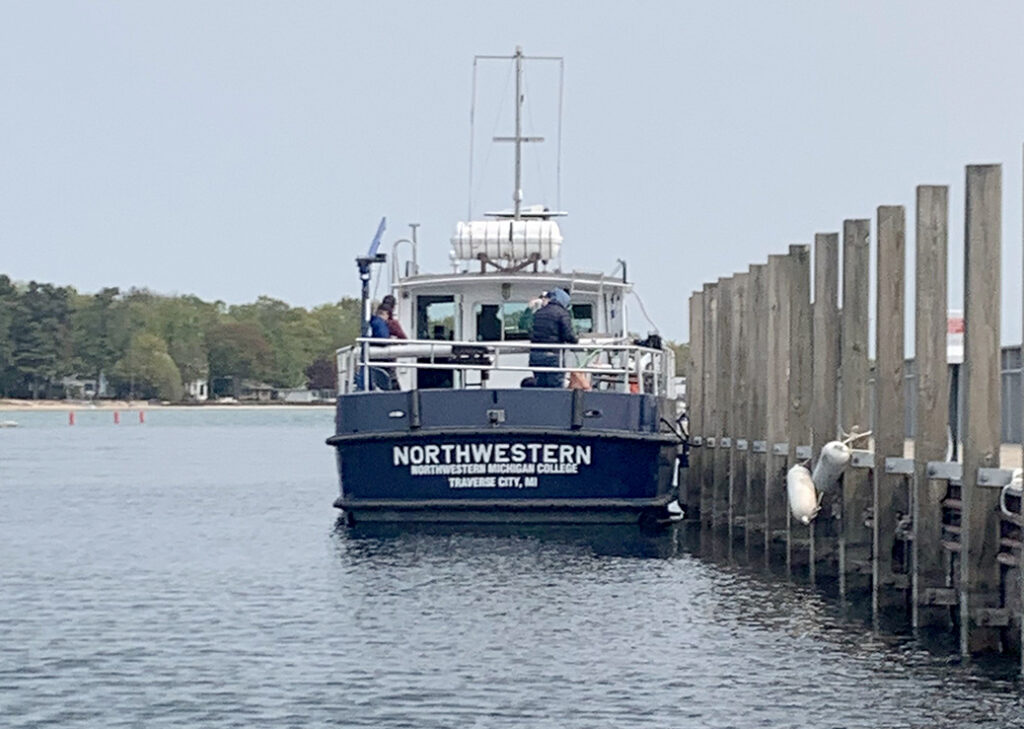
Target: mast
column 517, row 196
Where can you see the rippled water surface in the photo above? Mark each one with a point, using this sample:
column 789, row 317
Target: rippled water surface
column 189, row 572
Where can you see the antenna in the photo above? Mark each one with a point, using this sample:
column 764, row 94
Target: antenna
column 375, row 244
column 517, row 195
column 364, row 263
column 518, row 139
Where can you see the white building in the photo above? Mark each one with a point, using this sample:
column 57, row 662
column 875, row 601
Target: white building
column 197, row 390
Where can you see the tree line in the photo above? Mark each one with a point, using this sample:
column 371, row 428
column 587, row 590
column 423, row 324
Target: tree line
column 148, row 345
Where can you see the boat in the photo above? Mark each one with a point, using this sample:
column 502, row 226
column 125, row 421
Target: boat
column 448, row 425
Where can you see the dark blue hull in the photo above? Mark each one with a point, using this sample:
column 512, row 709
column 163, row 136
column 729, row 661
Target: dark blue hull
column 498, row 456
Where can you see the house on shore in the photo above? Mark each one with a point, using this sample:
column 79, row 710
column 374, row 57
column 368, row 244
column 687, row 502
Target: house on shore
column 76, row 387
column 197, row 390
column 255, row 391
column 299, row 395
column 226, row 389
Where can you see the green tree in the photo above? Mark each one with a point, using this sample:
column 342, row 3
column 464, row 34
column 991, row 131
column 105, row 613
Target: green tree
column 340, row 324
column 148, row 370
column 40, row 333
column 47, row 332
column 239, row 349
column 183, row 321
column 295, row 337
column 322, row 374
column 8, row 305
column 98, row 332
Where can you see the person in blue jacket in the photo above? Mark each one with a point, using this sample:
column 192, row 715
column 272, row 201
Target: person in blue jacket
column 379, row 324
column 552, row 324
column 381, row 378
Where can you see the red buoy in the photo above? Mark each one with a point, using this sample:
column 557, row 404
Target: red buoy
column 71, row 417
column 142, row 417
column 117, row 417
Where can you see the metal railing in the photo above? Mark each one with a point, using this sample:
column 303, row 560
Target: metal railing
column 615, row 365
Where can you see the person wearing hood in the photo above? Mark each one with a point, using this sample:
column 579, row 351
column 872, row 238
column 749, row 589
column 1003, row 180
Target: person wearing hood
column 382, row 326
column 387, row 312
column 552, row 324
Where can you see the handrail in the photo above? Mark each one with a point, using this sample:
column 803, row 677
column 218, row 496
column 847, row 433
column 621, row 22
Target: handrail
column 616, row 363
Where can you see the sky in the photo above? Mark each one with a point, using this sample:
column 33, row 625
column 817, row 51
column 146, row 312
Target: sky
column 233, row 149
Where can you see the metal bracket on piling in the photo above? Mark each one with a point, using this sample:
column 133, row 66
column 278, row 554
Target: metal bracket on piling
column 803, row 452
column 994, row 477
column 991, row 617
column 945, row 470
column 897, row 581
column 759, row 446
column 709, row 442
column 741, row 444
column 696, row 441
column 780, row 449
column 725, row 443
column 862, row 459
column 938, row 596
column 901, row 466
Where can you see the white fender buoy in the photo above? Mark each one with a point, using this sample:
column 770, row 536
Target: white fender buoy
column 832, row 461
column 803, row 499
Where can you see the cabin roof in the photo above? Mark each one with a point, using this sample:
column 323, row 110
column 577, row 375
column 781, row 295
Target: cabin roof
column 544, row 279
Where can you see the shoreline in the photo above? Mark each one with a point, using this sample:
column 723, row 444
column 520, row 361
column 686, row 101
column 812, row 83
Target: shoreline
column 13, row 405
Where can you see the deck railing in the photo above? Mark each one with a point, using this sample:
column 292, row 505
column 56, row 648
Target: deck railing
column 617, row 365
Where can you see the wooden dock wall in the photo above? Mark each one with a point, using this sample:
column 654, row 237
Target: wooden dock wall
column 779, row 365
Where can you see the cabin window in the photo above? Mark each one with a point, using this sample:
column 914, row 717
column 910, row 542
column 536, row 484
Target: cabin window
column 508, row 321
column 582, row 318
column 435, row 317
column 517, row 319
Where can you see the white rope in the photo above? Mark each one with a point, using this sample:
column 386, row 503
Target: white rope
column 643, row 310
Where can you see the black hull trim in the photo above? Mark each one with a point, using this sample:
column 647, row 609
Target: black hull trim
column 349, row 438
column 490, row 511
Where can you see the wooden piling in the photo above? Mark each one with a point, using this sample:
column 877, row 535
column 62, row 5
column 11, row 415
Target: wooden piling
column 694, row 396
column 979, row 536
column 723, row 406
column 757, row 307
column 855, row 538
column 825, row 391
column 740, row 390
column 773, row 377
column 891, row 491
column 801, row 357
column 709, row 353
column 930, row 563
column 776, row 403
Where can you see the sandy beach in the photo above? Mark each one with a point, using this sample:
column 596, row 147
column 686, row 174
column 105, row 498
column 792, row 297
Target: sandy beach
column 13, row 405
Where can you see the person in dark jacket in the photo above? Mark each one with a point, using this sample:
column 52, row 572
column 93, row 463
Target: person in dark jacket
column 382, row 378
column 387, row 312
column 552, row 324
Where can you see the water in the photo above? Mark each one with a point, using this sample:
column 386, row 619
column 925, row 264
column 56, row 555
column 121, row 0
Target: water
column 189, row 572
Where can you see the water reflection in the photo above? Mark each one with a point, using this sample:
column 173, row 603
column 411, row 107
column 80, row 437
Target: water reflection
column 727, row 594
column 140, row 588
column 598, row 540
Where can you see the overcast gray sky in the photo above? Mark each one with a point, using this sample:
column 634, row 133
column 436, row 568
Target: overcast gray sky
column 231, row 149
